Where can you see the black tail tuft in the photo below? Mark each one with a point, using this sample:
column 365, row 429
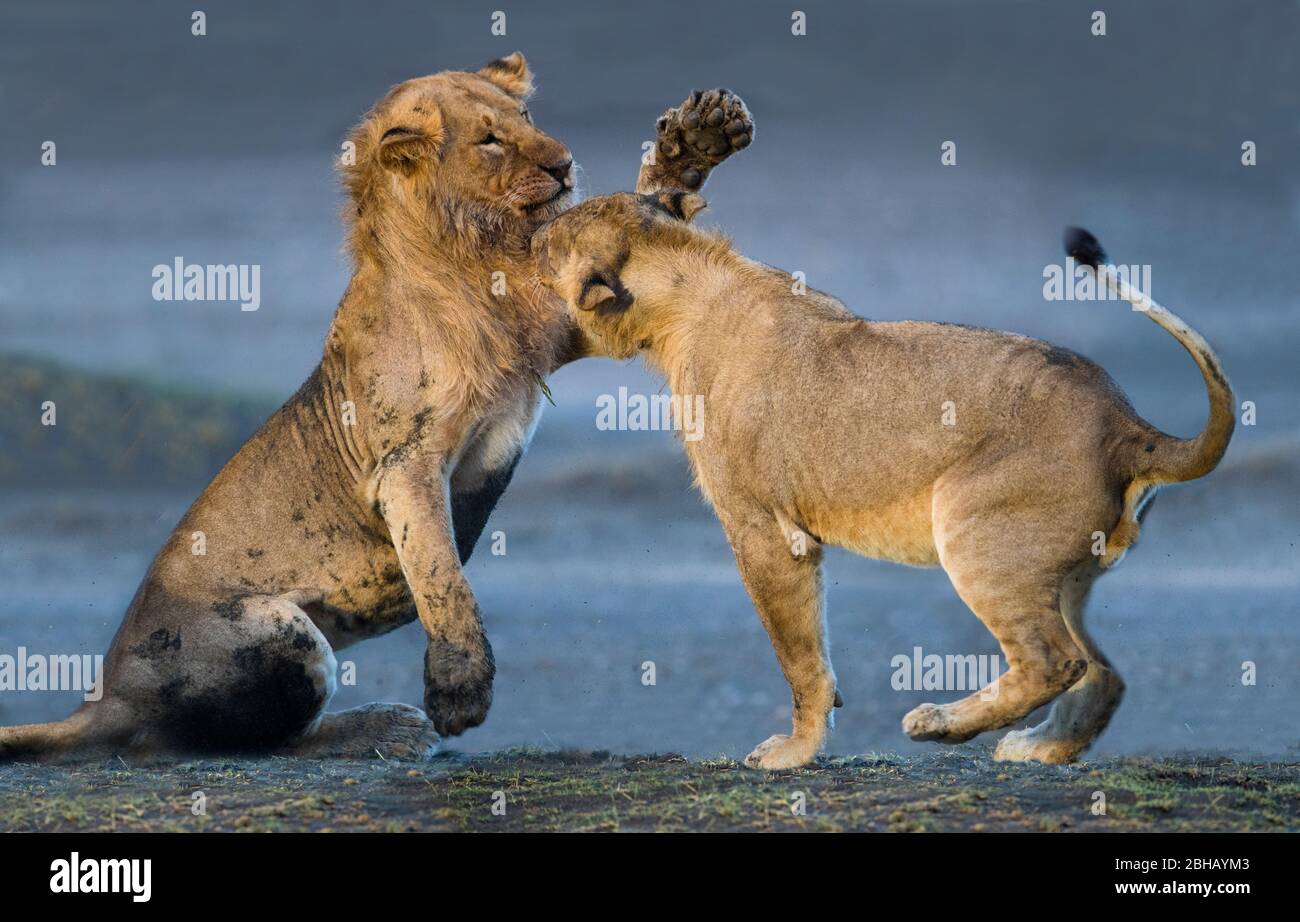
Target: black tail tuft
column 1084, row 247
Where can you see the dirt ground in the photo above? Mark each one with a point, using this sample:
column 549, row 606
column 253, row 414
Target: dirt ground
column 536, row 791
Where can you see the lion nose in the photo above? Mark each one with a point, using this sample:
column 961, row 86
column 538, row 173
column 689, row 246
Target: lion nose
column 559, row 170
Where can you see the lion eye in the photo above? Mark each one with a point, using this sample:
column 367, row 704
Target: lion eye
column 490, row 138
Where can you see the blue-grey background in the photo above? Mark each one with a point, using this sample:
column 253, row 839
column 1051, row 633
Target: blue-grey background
column 219, row 149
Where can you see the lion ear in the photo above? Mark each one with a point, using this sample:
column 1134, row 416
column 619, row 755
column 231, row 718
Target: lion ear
column 604, row 292
column 510, row 74
column 403, row 149
column 597, row 298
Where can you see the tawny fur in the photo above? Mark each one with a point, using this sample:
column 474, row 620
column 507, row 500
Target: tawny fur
column 999, row 457
column 352, row 510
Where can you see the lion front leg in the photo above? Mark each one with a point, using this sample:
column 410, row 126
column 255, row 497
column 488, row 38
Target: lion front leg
column 783, row 575
column 458, row 663
column 693, row 138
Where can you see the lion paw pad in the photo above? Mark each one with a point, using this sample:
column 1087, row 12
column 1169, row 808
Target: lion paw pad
column 706, row 129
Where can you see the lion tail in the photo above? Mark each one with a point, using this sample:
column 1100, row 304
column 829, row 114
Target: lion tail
column 1164, row 459
column 1171, row 460
column 38, row 742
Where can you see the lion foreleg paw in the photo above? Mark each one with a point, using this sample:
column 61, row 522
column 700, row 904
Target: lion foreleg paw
column 457, row 685
column 693, row 138
column 782, row 752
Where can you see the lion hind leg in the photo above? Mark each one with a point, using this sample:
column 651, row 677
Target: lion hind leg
column 1081, row 714
column 258, row 678
column 219, row 674
column 389, row 731
column 1012, row 584
column 247, row 673
column 1042, row 660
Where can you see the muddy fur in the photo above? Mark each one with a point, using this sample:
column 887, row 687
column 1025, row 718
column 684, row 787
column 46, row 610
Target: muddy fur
column 353, row 508
column 998, row 457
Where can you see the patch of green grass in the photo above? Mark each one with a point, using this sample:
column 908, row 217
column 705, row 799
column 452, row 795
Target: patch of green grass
column 114, row 430
column 533, row 790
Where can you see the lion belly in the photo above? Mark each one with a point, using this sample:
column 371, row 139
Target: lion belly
column 900, row 530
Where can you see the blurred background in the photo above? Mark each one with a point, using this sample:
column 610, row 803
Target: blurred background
column 220, row 149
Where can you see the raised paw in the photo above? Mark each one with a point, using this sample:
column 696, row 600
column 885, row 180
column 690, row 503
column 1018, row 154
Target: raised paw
column 707, row 128
column 457, row 685
column 933, row 722
column 781, row 752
